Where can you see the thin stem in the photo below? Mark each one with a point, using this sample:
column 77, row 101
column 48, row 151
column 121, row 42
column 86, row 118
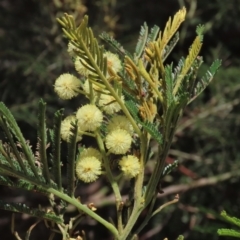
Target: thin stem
column 147, row 218
column 111, row 179
column 107, row 168
column 154, row 180
column 175, row 200
column 75, row 202
column 139, row 200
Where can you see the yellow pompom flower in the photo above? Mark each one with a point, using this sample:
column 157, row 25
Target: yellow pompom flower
column 88, row 169
column 113, row 61
column 118, row 141
column 66, row 86
column 91, row 152
column 66, row 128
column 89, row 117
column 120, row 122
column 109, row 104
column 130, row 166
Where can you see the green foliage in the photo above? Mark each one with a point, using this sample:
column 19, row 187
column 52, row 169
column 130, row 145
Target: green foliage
column 150, row 95
column 22, row 208
column 229, row 232
column 114, row 44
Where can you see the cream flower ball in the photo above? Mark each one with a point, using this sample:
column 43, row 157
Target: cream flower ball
column 88, row 169
column 89, row 117
column 120, row 122
column 130, row 166
column 91, row 152
column 66, row 86
column 118, row 141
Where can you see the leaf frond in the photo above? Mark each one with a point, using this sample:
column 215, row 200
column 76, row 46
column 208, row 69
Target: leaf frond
column 57, row 149
column 228, row 232
column 9, row 125
column 114, row 44
column 42, row 138
column 171, row 28
column 230, row 219
column 169, row 47
column 153, row 34
column 193, row 53
column 71, row 160
column 143, row 36
column 90, row 53
column 169, row 168
column 23, row 208
column 169, row 84
column 152, row 129
column 206, row 79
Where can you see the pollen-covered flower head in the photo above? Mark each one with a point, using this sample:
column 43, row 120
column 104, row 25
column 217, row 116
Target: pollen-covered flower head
column 66, row 127
column 90, row 152
column 118, row 141
column 130, row 166
column 89, row 117
column 113, row 61
column 88, row 169
column 120, row 122
column 67, row 86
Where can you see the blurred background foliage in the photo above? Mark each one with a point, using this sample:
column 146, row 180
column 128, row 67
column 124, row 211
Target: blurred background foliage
column 33, row 53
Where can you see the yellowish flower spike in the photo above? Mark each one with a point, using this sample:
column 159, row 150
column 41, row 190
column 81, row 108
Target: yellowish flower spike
column 130, row 166
column 82, row 70
column 113, row 61
column 120, row 122
column 66, row 127
column 89, row 117
column 118, row 141
column 66, row 86
column 91, row 152
column 88, row 169
column 109, row 104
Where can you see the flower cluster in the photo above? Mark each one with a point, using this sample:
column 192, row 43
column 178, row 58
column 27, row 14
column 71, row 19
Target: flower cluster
column 100, row 119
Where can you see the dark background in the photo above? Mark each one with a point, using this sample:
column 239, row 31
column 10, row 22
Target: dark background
column 33, row 54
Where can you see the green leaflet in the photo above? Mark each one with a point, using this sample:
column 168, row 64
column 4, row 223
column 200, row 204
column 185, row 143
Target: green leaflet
column 206, row 79
column 169, row 168
column 71, row 160
column 228, row 232
column 169, row 84
column 114, row 44
column 22, row 208
column 168, row 49
column 56, row 154
column 10, row 128
column 142, row 39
